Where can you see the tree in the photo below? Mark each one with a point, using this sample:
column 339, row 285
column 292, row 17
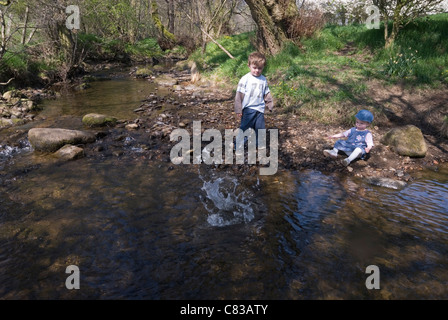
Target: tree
column 210, row 17
column 402, row 12
column 166, row 38
column 273, row 19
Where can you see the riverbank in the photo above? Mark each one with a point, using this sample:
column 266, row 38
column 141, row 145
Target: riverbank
column 301, row 142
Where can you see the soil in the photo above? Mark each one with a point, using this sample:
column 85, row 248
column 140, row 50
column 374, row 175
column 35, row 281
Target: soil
column 301, row 143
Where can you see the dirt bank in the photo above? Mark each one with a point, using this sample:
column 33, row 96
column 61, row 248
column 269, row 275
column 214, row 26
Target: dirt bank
column 301, row 143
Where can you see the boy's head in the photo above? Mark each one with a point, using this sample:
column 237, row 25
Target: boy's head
column 256, row 63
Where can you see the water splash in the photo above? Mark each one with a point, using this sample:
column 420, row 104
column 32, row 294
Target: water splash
column 226, row 202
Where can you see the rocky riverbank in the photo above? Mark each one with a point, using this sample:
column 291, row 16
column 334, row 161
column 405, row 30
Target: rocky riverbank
column 301, row 143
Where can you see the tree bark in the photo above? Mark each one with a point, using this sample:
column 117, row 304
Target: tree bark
column 166, row 39
column 171, row 15
column 25, row 25
column 272, row 19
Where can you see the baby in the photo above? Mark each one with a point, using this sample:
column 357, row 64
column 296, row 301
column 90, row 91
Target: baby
column 359, row 140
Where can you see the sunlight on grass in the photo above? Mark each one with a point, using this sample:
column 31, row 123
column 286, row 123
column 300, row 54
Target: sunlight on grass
column 327, row 78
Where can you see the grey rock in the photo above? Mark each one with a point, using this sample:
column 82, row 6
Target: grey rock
column 51, row 139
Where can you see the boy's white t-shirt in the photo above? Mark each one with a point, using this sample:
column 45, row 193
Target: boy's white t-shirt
column 254, row 90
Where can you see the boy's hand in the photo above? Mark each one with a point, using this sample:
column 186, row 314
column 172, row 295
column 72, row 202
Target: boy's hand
column 368, row 149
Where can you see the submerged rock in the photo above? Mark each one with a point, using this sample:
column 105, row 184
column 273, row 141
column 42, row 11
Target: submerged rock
column 406, row 141
column 69, row 152
column 386, row 183
column 51, row 139
column 165, row 80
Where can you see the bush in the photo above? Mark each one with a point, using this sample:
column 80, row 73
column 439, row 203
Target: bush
column 306, row 24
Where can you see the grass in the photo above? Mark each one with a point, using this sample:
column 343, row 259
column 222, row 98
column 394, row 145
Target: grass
column 327, row 79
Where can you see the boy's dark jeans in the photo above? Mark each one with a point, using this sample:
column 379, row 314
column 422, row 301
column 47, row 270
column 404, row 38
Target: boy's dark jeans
column 252, row 119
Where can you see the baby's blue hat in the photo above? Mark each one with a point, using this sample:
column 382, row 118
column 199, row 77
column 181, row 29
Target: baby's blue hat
column 365, row 115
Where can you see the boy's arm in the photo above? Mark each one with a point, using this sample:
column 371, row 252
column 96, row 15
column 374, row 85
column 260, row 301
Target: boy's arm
column 269, row 101
column 239, row 97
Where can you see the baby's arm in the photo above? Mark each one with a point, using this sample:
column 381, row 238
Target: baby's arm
column 369, row 142
column 340, row 135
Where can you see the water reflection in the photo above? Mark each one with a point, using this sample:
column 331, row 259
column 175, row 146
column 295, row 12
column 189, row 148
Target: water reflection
column 142, row 229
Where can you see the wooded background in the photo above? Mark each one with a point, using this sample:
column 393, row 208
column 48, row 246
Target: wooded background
column 38, row 27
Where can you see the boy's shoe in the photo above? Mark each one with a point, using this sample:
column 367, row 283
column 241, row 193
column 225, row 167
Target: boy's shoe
column 345, row 162
column 330, row 153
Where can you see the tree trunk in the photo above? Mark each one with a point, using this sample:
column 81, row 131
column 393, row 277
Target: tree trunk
column 273, row 19
column 171, row 15
column 25, row 25
column 166, row 39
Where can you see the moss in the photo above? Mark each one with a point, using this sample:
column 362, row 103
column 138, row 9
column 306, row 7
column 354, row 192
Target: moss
column 98, row 120
column 406, row 141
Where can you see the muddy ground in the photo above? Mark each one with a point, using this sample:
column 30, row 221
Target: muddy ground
column 301, row 143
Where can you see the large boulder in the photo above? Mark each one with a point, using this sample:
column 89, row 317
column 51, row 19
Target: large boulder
column 406, row 141
column 98, row 120
column 52, row 139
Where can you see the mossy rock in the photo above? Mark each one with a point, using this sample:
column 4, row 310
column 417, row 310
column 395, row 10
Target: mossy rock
column 143, row 72
column 98, row 120
column 406, row 141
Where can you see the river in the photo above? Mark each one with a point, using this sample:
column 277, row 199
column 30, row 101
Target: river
column 137, row 228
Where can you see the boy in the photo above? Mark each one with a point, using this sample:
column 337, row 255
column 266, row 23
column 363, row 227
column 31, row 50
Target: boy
column 359, row 140
column 253, row 95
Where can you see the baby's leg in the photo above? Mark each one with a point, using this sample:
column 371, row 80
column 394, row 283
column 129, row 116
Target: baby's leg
column 331, row 153
column 355, row 154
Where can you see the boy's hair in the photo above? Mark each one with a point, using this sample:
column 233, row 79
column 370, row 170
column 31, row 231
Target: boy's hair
column 257, row 59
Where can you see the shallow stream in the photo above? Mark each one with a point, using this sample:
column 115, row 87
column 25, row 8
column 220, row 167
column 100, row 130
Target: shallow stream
column 138, row 229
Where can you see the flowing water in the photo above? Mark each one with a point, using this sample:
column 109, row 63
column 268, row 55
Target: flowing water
column 142, row 229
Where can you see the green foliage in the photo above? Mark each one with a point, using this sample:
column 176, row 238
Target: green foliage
column 14, row 62
column 401, row 63
column 445, row 75
column 218, row 64
column 145, row 48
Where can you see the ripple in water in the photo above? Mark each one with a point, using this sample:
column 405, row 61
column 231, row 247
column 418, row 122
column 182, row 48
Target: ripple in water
column 226, row 202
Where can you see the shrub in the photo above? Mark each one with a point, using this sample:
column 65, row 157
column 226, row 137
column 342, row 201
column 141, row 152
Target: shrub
column 306, row 24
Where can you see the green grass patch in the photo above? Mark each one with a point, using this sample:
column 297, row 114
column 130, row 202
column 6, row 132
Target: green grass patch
column 327, row 78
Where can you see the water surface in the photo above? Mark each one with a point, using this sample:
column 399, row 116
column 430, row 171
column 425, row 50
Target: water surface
column 142, row 229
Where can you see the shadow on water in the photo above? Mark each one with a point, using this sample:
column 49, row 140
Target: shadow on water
column 142, row 229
